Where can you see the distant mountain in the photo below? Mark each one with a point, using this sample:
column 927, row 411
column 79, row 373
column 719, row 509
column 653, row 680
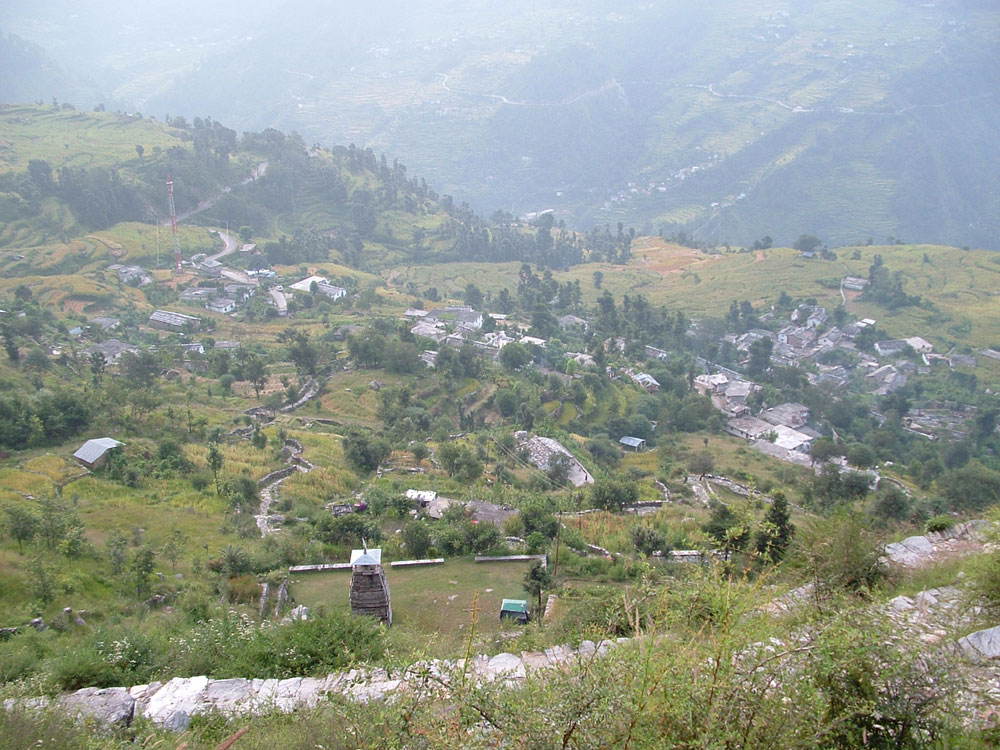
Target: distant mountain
column 731, row 120
column 29, row 73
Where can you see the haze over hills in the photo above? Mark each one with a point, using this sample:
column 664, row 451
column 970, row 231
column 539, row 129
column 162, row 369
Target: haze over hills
column 729, row 120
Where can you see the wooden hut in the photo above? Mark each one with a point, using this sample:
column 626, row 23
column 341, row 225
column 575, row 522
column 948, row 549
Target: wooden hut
column 369, row 589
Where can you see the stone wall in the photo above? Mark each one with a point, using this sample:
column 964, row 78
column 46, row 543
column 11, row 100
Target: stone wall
column 172, row 704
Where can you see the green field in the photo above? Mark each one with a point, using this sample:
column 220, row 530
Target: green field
column 434, row 603
column 959, row 285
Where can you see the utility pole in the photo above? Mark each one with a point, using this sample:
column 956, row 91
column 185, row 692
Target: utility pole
column 555, row 565
column 173, row 224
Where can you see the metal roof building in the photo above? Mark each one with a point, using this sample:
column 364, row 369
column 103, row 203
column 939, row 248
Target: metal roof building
column 635, row 443
column 172, row 321
column 94, row 453
column 514, row 609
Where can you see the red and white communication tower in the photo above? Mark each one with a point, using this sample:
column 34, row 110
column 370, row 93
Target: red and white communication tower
column 173, row 225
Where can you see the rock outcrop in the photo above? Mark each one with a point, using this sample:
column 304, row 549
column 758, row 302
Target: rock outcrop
column 916, row 551
column 983, row 645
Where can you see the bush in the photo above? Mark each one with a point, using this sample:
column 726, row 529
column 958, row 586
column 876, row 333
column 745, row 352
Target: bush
column 536, row 542
column 200, row 482
column 938, row 523
column 840, row 555
column 243, row 590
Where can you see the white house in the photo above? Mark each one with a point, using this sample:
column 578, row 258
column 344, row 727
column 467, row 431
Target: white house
column 222, row 305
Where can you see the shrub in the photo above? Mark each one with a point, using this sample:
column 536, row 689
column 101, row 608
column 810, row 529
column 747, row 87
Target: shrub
column 938, row 523
column 243, row 590
column 840, row 555
column 536, row 542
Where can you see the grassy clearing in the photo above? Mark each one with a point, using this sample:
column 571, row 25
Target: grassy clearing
column 26, row 483
column 432, row 605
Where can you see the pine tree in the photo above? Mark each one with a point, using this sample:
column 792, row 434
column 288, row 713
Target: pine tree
column 775, row 531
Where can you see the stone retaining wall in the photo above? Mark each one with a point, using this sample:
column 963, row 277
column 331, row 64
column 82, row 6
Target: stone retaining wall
column 416, row 563
column 513, row 558
column 315, row 568
column 276, row 475
column 171, row 705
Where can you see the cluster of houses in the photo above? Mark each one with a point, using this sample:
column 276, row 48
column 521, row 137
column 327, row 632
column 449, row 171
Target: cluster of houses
column 780, row 431
column 233, row 288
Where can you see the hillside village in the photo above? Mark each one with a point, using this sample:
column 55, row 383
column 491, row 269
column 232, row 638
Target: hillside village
column 805, row 337
column 194, row 462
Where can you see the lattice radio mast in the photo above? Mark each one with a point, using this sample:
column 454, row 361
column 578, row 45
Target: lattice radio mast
column 173, row 225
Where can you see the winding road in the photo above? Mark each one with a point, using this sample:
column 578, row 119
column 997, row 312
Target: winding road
column 257, row 171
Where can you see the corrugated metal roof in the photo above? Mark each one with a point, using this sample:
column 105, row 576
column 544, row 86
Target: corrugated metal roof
column 172, row 318
column 366, row 557
column 632, row 442
column 514, row 605
column 94, row 449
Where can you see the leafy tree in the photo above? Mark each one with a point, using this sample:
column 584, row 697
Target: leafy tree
column 21, row 523
column 256, row 372
column 890, row 503
column 460, row 461
column 823, row 449
column 514, row 356
column 97, row 364
column 702, row 463
column 536, row 518
column 140, row 370
column 215, row 461
column 9, row 341
column 303, row 354
column 38, row 361
column 760, row 357
column 243, row 495
column 807, row 243
column 350, row 528
column 55, row 521
column 536, row 580
column 506, row 402
column 141, row 568
column 861, row 455
column 417, row 538
column 972, row 487
column 420, row 452
column 613, row 494
column 365, row 452
column 117, row 544
column 729, row 530
column 559, row 466
column 41, row 578
column 473, row 296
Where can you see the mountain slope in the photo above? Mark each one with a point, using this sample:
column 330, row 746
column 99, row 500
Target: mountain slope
column 728, row 120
